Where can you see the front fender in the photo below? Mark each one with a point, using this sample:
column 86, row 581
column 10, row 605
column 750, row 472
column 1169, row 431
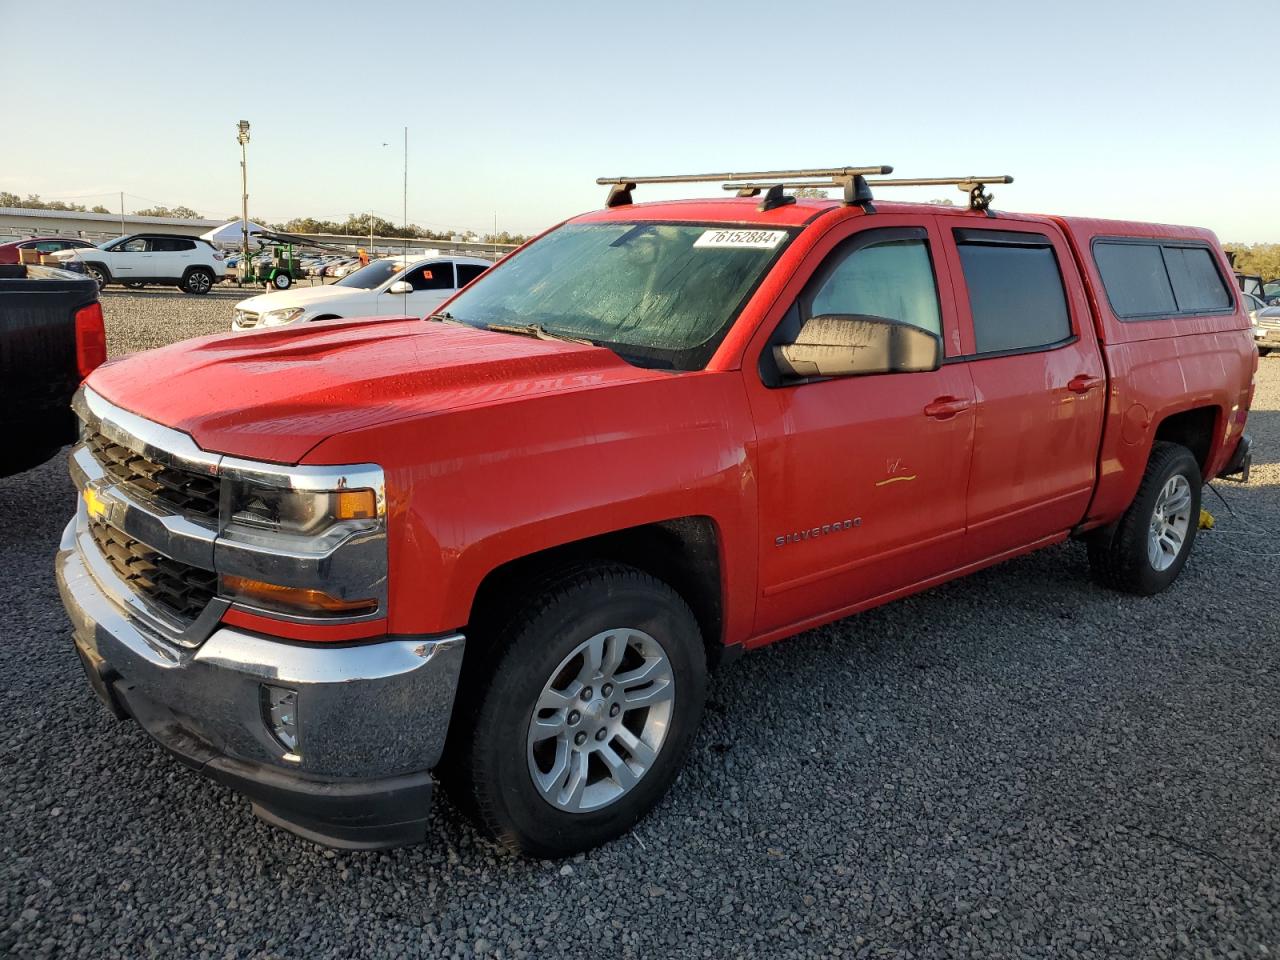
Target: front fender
column 470, row 490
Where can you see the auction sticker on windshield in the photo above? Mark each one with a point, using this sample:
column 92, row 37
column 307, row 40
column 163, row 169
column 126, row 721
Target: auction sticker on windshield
column 752, row 239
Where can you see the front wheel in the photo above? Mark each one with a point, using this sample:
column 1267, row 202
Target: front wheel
column 1145, row 550
column 282, row 281
column 583, row 715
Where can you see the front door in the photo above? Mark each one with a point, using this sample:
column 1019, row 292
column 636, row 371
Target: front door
column 432, row 283
column 132, row 259
column 1039, row 382
column 862, row 479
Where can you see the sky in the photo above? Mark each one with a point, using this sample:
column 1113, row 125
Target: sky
column 1129, row 109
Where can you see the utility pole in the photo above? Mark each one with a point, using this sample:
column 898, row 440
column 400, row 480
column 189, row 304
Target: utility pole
column 242, row 138
column 370, row 233
column 406, row 193
column 122, row 213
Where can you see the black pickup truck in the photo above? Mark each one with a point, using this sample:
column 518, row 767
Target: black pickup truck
column 51, row 338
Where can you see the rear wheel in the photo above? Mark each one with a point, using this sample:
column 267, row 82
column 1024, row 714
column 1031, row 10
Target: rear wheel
column 282, row 281
column 197, row 281
column 135, row 285
column 1146, row 549
column 583, row 714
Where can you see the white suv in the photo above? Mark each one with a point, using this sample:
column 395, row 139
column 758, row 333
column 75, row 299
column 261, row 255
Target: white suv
column 410, row 286
column 192, row 263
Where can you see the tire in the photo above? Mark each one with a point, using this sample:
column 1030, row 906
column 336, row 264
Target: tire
column 134, row 285
column 629, row 756
column 198, row 281
column 99, row 274
column 1128, row 555
column 282, row 281
column 1264, row 351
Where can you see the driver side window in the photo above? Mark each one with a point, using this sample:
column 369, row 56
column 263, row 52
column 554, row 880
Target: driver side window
column 433, row 276
column 133, row 246
column 892, row 279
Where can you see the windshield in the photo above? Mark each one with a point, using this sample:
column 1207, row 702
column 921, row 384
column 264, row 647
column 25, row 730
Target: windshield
column 108, row 244
column 659, row 294
column 370, row 276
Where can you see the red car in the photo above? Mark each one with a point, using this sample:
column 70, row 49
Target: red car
column 9, row 251
column 506, row 544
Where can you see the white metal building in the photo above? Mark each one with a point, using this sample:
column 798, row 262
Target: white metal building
column 18, row 222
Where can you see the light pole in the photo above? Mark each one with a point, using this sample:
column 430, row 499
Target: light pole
column 242, row 138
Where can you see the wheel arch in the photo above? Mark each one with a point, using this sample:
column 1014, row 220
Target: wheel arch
column 684, row 552
column 1195, row 428
column 98, row 264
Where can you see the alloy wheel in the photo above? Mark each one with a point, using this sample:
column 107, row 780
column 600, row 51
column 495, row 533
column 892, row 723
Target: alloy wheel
column 601, row 720
column 1170, row 521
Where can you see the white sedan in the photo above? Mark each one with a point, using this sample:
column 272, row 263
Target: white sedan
column 410, row 286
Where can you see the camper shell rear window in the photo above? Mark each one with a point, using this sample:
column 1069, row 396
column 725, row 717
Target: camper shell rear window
column 1148, row 278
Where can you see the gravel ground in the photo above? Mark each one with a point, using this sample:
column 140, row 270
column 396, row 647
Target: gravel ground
column 1019, row 764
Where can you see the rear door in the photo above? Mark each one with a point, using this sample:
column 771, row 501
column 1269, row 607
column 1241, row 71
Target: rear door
column 861, row 479
column 1038, row 380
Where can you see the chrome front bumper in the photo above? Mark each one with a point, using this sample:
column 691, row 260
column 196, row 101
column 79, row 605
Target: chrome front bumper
column 371, row 718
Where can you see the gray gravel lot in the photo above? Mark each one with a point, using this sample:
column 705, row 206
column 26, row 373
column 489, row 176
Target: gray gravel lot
column 1019, row 764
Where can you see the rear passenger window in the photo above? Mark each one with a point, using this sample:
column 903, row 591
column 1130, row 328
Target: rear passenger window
column 893, row 279
column 468, row 272
column 1197, row 285
column 1015, row 291
column 1151, row 279
column 1135, row 279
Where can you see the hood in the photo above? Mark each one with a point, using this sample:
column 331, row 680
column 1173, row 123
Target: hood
column 300, row 297
column 274, row 394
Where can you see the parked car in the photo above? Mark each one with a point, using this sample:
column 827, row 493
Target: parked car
column 192, row 263
column 51, row 338
column 508, row 545
column 393, row 286
column 1266, row 330
column 10, row 252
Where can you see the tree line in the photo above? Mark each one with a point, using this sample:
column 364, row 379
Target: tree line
column 1262, row 259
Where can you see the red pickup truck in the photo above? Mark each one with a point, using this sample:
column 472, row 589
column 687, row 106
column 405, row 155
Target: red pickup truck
column 504, row 545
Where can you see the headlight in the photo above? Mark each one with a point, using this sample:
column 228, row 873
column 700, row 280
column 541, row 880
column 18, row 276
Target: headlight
column 276, row 318
column 303, row 542
column 299, row 512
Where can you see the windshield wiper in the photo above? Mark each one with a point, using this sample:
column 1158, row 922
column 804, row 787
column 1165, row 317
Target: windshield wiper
column 536, row 330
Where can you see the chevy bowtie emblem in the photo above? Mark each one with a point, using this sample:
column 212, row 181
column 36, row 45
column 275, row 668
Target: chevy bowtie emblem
column 94, row 504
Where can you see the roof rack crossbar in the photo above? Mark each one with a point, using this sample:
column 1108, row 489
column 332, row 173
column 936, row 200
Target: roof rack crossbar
column 620, row 188
column 770, row 175
column 979, row 199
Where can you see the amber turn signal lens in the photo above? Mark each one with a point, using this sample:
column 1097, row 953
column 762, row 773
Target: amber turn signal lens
column 299, row 599
column 355, row 505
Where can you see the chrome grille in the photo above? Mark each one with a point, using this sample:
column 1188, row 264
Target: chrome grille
column 179, row 588
column 191, row 493
column 246, row 318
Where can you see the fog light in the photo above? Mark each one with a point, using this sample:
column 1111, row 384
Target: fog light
column 280, row 711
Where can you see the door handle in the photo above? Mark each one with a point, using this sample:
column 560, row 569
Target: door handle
column 1083, row 383
column 946, row 407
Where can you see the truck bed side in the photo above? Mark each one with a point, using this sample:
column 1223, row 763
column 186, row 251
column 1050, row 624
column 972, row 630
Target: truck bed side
column 38, row 364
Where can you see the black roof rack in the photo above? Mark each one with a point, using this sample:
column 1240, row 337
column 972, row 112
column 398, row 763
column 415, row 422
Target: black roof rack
column 852, row 180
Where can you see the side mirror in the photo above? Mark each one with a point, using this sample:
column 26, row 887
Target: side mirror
column 848, row 345
column 400, row 286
